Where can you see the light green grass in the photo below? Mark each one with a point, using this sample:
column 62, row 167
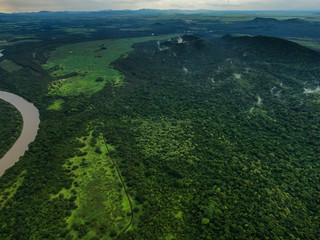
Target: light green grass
column 9, row 192
column 57, row 105
column 102, row 206
column 91, row 62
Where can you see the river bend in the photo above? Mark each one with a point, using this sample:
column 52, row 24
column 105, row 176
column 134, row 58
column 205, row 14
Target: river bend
column 31, row 121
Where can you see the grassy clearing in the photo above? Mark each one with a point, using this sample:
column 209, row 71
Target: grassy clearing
column 57, row 105
column 85, row 67
column 102, row 207
column 11, row 190
column 9, row 66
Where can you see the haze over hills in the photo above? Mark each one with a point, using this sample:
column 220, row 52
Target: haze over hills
column 217, row 24
column 93, row 5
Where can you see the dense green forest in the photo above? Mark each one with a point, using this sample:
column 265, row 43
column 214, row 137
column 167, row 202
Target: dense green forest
column 10, row 126
column 205, row 138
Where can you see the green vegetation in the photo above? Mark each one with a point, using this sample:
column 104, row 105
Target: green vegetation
column 102, row 207
column 10, row 126
column 9, row 191
column 209, row 161
column 9, row 66
column 57, row 105
column 79, row 67
column 78, row 30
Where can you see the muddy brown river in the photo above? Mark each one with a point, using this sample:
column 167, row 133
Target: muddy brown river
column 31, row 120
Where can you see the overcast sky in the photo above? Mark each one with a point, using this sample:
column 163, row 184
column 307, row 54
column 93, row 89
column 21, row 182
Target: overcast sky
column 93, row 5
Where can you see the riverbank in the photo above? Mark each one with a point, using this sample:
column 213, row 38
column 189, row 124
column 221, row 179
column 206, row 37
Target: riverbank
column 10, row 126
column 31, row 121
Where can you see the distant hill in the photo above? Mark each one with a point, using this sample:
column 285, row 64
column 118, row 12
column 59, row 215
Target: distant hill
column 271, row 48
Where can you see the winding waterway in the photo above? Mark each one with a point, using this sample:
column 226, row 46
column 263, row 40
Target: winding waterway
column 31, row 120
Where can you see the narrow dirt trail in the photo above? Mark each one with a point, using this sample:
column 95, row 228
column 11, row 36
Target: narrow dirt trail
column 124, row 186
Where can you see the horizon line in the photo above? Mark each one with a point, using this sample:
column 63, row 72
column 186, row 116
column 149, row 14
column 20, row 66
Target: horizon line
column 154, row 9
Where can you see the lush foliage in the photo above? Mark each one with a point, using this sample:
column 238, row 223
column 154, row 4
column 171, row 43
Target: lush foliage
column 85, row 67
column 103, row 209
column 223, row 141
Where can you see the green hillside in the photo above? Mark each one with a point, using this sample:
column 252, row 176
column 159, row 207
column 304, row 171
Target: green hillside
column 203, row 140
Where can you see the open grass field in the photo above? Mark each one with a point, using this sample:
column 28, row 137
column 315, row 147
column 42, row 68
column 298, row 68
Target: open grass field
column 86, row 67
column 102, row 209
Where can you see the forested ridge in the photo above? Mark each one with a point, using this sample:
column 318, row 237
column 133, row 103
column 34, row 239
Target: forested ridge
column 214, row 140
column 212, row 154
